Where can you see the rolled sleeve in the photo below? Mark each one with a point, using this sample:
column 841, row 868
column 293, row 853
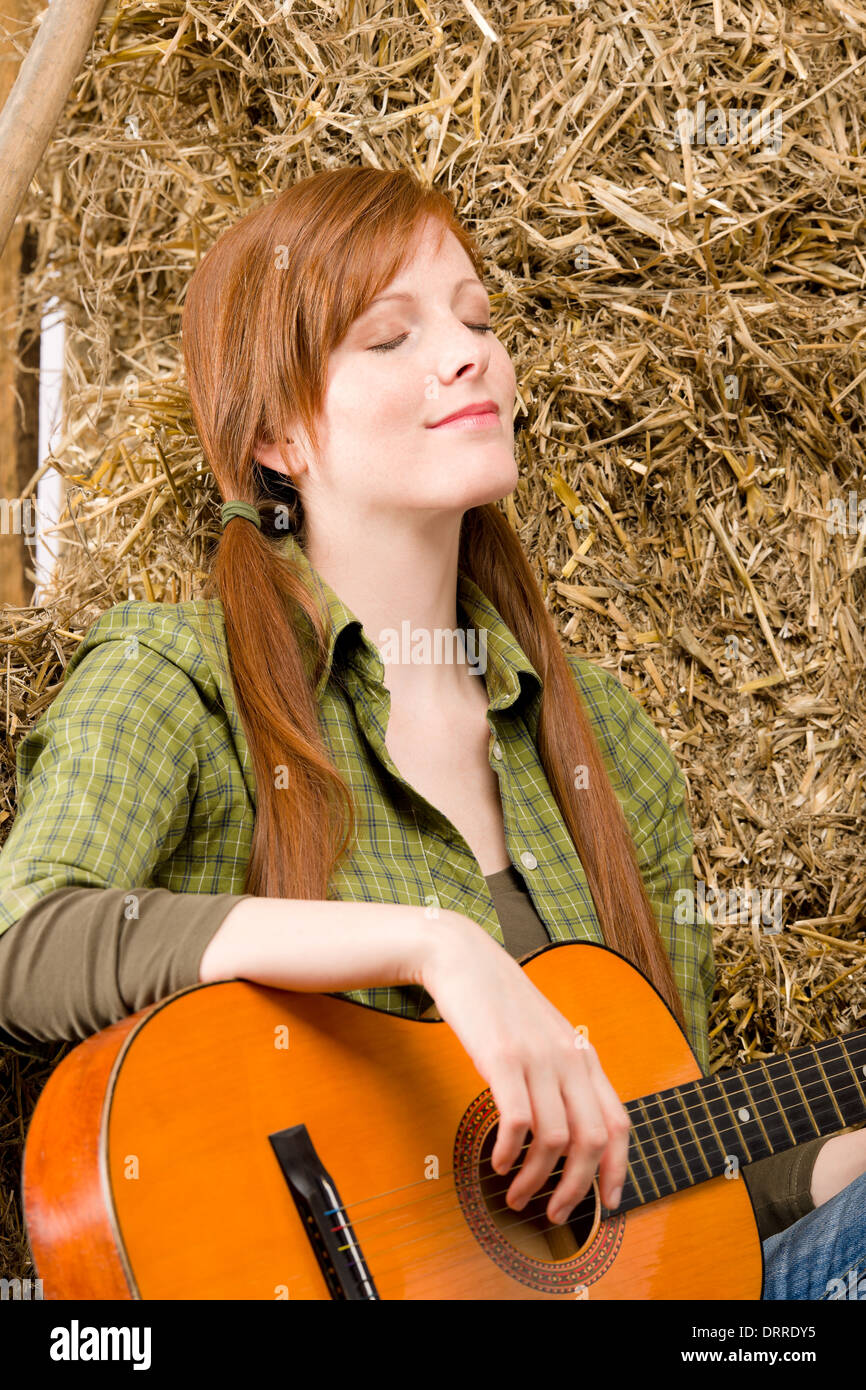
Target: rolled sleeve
column 83, row 958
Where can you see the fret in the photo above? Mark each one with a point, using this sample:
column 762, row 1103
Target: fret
column 758, row 1084
column 830, row 1091
column 632, row 1192
column 813, row 1080
column 756, row 1092
column 783, row 1099
column 837, row 1056
column 718, row 1123
column 848, row 1052
column 688, row 1137
column 661, row 1146
column 681, row 1174
column 701, row 1125
column 740, row 1146
column 806, row 1127
column 638, row 1188
column 754, row 1136
column 636, row 1149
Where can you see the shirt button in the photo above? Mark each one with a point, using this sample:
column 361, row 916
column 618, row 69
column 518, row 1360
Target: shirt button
column 528, row 860
column 497, row 751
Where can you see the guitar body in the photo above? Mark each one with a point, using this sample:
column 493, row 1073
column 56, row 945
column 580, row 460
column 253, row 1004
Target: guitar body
column 149, row 1172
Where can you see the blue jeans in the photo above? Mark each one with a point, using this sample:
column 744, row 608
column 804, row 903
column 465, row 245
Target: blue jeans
column 823, row 1255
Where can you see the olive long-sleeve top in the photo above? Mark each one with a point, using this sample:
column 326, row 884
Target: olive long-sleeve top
column 136, row 806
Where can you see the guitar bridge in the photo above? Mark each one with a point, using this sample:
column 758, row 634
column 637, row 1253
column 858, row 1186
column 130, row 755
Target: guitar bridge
column 324, row 1218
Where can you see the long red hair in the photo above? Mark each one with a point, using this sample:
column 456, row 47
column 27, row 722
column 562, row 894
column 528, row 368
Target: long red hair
column 306, row 264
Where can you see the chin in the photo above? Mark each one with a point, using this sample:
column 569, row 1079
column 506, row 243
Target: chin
column 499, row 481
column 490, row 490
column 473, row 485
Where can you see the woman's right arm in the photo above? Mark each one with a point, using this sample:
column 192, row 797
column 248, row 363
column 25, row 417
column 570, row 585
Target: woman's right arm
column 519, row 1042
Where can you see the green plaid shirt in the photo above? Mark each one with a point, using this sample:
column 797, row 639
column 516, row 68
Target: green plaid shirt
column 139, row 773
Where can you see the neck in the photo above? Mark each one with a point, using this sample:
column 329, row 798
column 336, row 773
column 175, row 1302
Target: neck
column 402, row 585
column 711, row 1127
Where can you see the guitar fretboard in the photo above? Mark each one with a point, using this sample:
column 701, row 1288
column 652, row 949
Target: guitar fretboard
column 689, row 1134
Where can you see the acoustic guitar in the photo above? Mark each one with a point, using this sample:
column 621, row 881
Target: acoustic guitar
column 240, row 1142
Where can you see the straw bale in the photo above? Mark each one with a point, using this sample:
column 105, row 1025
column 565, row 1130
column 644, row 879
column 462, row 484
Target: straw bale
column 683, row 299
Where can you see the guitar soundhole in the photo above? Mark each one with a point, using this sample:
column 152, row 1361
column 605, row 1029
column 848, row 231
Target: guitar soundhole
column 530, row 1230
column 561, row 1260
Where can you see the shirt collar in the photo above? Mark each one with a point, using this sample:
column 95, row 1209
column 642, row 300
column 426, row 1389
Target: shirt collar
column 506, row 662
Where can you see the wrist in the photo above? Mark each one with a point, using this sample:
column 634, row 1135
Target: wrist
column 443, row 937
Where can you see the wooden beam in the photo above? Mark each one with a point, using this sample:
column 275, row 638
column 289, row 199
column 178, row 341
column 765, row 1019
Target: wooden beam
column 19, row 366
column 34, row 106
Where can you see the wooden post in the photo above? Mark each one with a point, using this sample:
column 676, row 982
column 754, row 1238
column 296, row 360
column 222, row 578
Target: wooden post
column 34, row 106
column 31, row 110
column 19, row 367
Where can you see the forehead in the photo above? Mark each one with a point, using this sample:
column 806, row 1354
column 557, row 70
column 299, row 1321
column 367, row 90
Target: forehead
column 434, row 244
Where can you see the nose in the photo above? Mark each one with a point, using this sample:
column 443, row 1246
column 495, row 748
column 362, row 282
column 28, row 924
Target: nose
column 464, row 352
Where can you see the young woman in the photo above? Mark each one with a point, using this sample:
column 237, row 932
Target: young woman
column 339, row 820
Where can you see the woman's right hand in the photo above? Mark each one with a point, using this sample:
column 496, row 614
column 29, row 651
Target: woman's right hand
column 541, row 1074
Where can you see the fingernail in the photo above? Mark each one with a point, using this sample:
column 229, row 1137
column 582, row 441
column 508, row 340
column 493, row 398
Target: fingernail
column 614, row 1201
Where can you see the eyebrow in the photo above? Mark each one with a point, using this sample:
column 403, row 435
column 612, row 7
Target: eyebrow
column 402, row 294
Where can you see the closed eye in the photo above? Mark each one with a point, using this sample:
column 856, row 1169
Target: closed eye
column 395, row 342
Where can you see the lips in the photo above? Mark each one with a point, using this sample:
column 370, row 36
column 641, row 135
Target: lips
column 477, row 408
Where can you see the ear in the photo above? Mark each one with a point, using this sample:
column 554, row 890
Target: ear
column 269, row 456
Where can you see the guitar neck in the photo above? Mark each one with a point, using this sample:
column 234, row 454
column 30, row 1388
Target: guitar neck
column 707, row 1128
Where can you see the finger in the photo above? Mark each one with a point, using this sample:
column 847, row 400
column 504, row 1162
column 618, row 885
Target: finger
column 589, row 1141
column 613, row 1168
column 511, row 1097
column 550, row 1135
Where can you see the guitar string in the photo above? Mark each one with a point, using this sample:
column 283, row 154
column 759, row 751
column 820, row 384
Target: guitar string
column 491, row 1206
column 650, row 1131
column 370, row 1248
column 469, row 1254
column 657, row 1149
column 460, row 1232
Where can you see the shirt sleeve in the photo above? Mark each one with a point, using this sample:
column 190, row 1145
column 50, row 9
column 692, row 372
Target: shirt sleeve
column 106, row 781
column 781, row 1186
column 82, row 958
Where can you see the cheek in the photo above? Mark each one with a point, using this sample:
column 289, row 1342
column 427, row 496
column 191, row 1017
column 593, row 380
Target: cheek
column 392, row 400
column 502, row 366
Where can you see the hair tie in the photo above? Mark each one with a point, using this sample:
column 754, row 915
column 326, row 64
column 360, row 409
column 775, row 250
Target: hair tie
column 245, row 509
